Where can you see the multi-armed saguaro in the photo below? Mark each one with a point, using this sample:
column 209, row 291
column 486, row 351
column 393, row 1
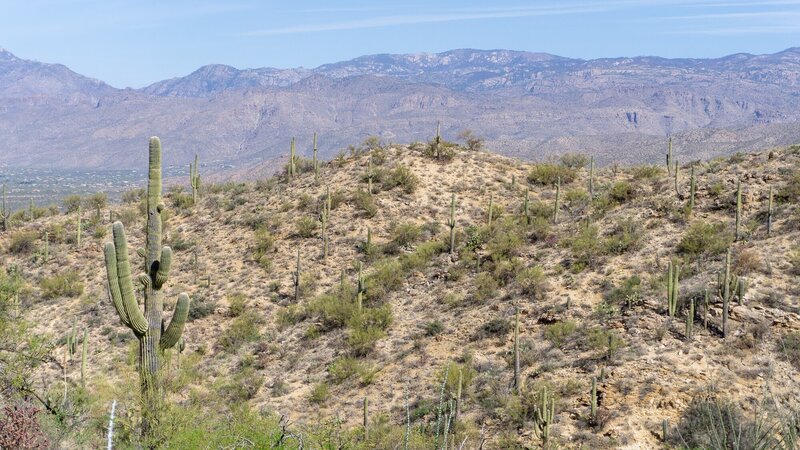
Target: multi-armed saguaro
column 147, row 326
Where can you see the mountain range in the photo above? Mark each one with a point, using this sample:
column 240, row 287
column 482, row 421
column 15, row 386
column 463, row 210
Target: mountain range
column 529, row 105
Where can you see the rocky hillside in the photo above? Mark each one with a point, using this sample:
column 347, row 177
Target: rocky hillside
column 526, row 105
column 582, row 265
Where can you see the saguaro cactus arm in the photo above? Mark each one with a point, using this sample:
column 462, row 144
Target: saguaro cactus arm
column 174, row 331
column 120, row 285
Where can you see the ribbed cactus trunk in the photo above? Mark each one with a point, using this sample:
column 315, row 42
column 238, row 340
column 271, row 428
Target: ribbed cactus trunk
column 147, row 326
column 452, row 224
column 669, row 156
column 738, row 209
column 769, row 213
column 316, row 161
column 194, row 179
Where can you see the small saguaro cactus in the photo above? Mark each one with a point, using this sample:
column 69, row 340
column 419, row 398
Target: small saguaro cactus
column 690, row 319
column 30, row 209
column 324, row 216
column 669, row 156
column 451, row 223
column 769, row 212
column 677, row 189
column 705, row 309
column 296, row 278
column 147, row 326
column 458, row 394
column 46, row 247
column 491, row 207
column 315, row 161
column 438, row 139
column 726, row 294
column 370, row 175
column 692, row 189
column 517, row 381
column 738, row 208
column 558, row 201
column 591, row 176
column 593, row 407
column 360, row 288
column 673, row 275
column 194, row 179
column 291, row 160
column 544, row 415
column 5, row 214
column 366, row 418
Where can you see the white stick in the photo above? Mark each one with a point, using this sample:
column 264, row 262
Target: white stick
column 111, row 424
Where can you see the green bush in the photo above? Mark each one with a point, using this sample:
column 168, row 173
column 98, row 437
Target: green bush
column 789, row 346
column 242, row 330
column 621, row 192
column 71, row 203
column 404, row 234
column 548, row 174
column 485, row 286
column 363, row 340
column 237, row 304
column 586, row 245
column 319, row 394
column 401, row 176
column 705, row 239
column 646, row 172
column 790, row 192
column 202, row 306
column 531, row 281
column 433, row 327
column 289, row 315
column 365, row 203
column 629, row 292
column 23, row 242
column 558, row 333
column 67, row 284
column 624, row 237
column 574, row 160
column 306, row 227
column 496, row 327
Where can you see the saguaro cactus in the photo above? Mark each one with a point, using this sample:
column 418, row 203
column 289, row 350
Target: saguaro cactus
column 491, row 207
column 558, row 201
column 366, row 418
column 360, row 288
column 324, row 216
column 526, row 207
column 316, row 161
column 738, row 208
column 591, row 176
column 291, row 160
column 692, row 189
column 84, row 347
column 5, row 214
column 370, row 175
column 593, row 408
column 677, row 189
column 452, row 223
column 194, row 179
column 543, row 416
column 296, row 278
column 669, row 156
column 46, row 247
column 769, row 213
column 690, row 319
column 726, row 294
column 438, row 139
column 147, row 326
column 673, row 276
column 517, row 381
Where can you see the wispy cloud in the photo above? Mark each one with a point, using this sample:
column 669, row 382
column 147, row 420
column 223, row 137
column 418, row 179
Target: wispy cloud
column 411, row 19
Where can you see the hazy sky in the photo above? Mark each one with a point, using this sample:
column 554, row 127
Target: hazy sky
column 134, row 43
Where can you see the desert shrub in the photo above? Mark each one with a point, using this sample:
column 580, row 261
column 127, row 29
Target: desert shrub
column 790, row 192
column 289, row 315
column 306, row 227
column 344, row 368
column 494, row 328
column 202, row 306
column 365, row 203
column 450, row 374
column 20, row 429
column 433, row 327
column 401, row 176
column 574, row 160
column 548, row 174
column 404, row 234
column 363, row 340
column 265, row 242
column 712, row 422
column 319, row 394
column 645, row 172
column 558, row 333
column 705, row 239
column 386, row 277
column 624, row 237
column 746, row 261
column 133, row 196
column 621, row 192
column 472, row 142
column 585, row 245
column 485, row 286
column 505, row 242
column 629, row 292
column 241, row 387
column 23, row 242
column 531, row 281
column 237, row 304
column 67, row 284
column 242, row 330
column 604, row 341
column 71, row 203
column 789, row 346
column 576, row 200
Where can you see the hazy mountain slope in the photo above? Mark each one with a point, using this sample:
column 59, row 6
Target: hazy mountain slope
column 530, row 105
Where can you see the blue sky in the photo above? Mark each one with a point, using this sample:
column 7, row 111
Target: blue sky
column 134, row 43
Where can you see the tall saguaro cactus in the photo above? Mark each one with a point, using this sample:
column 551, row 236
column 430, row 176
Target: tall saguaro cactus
column 669, row 156
column 726, row 294
column 147, row 326
column 452, row 223
column 316, row 161
column 4, row 212
column 291, row 161
column 738, row 208
column 769, row 213
column 194, row 179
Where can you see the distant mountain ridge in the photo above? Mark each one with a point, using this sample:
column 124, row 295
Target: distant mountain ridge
column 531, row 105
